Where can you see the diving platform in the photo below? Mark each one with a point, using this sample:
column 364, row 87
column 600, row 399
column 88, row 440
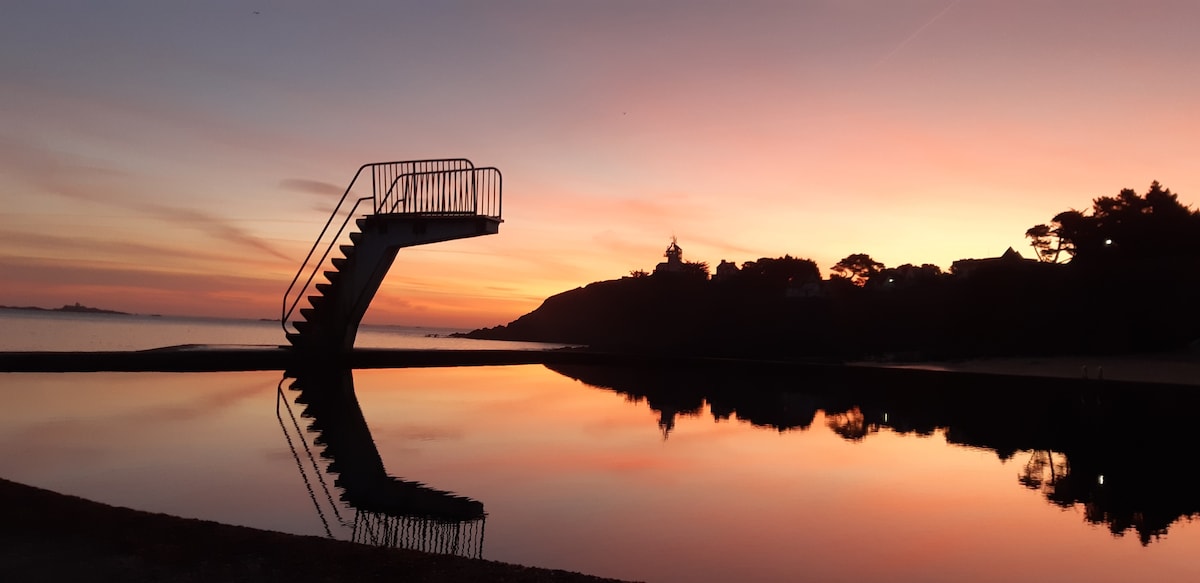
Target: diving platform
column 411, row 203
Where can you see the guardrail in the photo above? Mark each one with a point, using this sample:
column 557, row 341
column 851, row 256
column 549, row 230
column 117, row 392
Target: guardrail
column 472, row 191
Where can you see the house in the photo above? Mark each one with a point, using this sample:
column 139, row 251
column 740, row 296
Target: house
column 1010, row 258
column 725, row 270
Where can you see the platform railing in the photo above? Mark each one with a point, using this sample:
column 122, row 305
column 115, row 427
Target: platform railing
column 469, row 191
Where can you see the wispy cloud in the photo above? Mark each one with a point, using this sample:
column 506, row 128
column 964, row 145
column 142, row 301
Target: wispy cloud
column 67, row 176
column 723, row 246
column 23, row 242
column 916, row 33
column 212, row 225
column 312, row 186
column 55, row 280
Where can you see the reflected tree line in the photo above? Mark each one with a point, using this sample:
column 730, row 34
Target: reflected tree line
column 1111, row 448
column 330, row 437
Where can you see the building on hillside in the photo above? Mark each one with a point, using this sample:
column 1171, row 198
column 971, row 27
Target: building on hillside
column 725, row 270
column 1010, row 258
column 674, row 262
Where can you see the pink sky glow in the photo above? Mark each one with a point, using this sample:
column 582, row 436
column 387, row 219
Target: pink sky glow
column 180, row 159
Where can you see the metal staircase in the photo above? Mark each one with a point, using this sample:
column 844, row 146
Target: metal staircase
column 410, row 203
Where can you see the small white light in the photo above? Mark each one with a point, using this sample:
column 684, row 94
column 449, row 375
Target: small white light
column 1101, row 479
column 1108, row 241
column 885, row 417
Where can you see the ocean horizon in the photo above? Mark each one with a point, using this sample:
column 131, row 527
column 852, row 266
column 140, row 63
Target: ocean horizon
column 61, row 331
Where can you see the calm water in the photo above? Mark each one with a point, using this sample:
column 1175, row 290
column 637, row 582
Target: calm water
column 55, row 331
column 659, row 475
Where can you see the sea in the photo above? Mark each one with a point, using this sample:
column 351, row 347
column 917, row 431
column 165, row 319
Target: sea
column 697, row 473
column 52, row 330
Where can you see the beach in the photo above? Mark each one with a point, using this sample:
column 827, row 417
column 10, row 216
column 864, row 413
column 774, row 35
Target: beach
column 1179, row 367
column 52, row 537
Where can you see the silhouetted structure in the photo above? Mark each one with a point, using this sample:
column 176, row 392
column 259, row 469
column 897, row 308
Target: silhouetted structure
column 388, row 511
column 1007, row 260
column 725, row 270
column 674, row 262
column 411, row 203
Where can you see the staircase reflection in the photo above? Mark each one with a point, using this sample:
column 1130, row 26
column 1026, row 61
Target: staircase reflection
column 1121, row 451
column 387, row 511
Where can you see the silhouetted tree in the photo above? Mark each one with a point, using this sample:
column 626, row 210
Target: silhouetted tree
column 857, row 267
column 695, row 268
column 1125, row 227
column 1042, row 471
column 908, row 275
column 782, row 270
column 1047, row 245
column 851, row 424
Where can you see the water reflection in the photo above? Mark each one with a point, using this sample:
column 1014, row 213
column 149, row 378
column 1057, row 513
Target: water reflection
column 387, row 511
column 1114, row 449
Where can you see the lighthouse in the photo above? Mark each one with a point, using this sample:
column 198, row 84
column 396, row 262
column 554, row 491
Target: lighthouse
column 674, row 262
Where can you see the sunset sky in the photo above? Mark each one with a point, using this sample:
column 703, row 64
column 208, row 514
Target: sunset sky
column 180, row 157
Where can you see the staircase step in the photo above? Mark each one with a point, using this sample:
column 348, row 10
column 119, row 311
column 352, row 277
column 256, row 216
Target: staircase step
column 317, row 301
column 332, row 276
column 356, row 237
column 308, row 313
column 347, row 250
column 302, row 326
column 339, row 262
column 295, row 340
column 362, row 223
column 326, row 289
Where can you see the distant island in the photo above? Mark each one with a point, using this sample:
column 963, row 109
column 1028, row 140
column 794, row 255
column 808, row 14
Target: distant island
column 77, row 308
column 1122, row 278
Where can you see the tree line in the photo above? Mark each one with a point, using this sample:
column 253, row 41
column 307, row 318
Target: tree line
column 1118, row 277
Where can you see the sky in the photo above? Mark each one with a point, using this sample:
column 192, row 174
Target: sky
column 181, row 157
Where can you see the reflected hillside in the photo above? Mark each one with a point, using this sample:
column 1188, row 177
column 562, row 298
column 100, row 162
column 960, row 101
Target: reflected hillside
column 387, row 511
column 1111, row 448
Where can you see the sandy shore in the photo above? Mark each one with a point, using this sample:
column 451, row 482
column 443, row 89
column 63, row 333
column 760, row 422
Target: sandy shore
column 46, row 536
column 1179, row 368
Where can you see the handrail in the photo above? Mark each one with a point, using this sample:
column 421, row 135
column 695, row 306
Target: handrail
column 281, row 398
column 381, row 173
column 470, row 191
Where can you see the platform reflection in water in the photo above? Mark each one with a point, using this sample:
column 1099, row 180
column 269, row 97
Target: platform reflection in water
column 388, row 511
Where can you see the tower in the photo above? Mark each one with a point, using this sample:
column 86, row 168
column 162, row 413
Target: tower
column 674, row 255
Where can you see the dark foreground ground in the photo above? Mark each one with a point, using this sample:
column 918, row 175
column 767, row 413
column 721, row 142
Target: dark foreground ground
column 46, row 536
